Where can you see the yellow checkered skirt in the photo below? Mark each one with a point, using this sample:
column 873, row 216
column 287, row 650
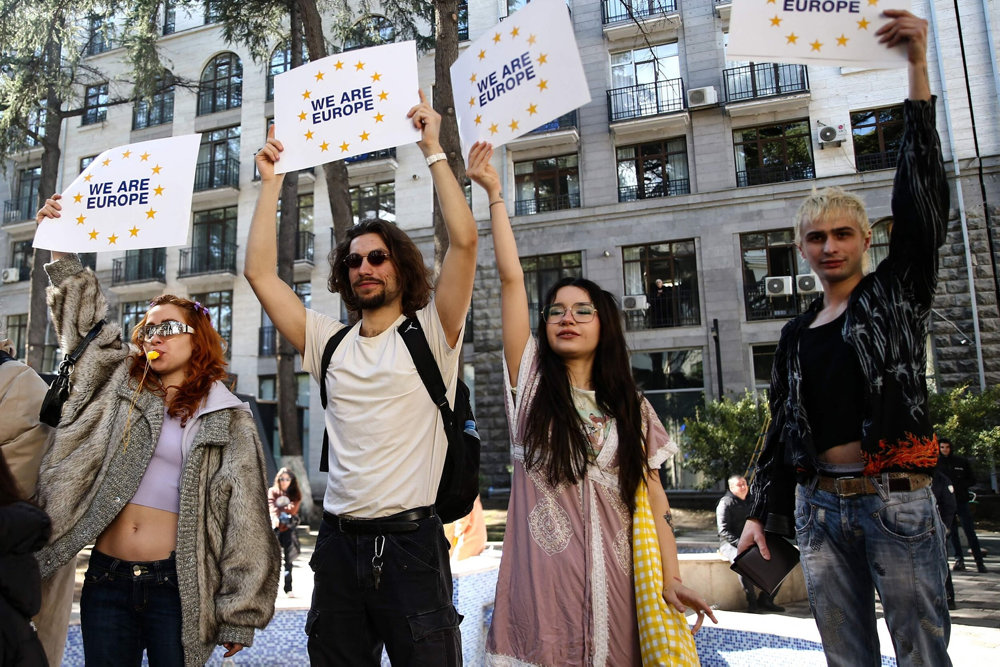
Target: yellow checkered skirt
column 664, row 635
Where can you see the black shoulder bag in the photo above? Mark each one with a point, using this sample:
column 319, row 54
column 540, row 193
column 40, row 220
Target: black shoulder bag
column 58, row 391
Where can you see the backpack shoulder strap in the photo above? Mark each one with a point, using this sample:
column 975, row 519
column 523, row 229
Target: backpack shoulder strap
column 324, row 366
column 427, row 368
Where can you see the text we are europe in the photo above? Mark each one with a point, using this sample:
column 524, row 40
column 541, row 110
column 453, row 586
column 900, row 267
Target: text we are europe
column 128, row 193
column 825, row 6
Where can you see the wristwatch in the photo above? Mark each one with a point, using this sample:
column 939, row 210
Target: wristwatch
column 436, row 157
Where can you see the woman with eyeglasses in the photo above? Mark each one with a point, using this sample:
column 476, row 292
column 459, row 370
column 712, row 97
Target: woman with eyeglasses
column 283, row 499
column 159, row 466
column 583, row 441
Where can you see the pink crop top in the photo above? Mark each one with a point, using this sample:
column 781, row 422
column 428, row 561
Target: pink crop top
column 160, row 485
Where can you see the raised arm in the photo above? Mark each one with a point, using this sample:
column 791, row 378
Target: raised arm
column 513, row 297
column 453, row 293
column 279, row 300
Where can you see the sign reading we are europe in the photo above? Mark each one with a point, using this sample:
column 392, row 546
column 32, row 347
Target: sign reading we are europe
column 521, row 74
column 130, row 197
column 345, row 105
column 813, row 32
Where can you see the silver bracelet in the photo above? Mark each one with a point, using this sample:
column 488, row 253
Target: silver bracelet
column 436, row 157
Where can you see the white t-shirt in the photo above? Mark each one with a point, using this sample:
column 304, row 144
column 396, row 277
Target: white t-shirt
column 387, row 440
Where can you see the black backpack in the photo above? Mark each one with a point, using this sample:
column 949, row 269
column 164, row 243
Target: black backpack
column 460, row 478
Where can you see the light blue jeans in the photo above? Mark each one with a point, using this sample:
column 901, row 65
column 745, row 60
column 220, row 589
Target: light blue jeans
column 851, row 547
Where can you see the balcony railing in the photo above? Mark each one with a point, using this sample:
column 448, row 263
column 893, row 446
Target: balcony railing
column 267, row 342
column 757, row 80
column 646, row 99
column 543, row 204
column 760, row 306
column 196, row 260
column 873, row 161
column 19, row 210
column 564, row 122
column 777, row 173
column 673, row 187
column 304, row 244
column 145, row 266
column 679, row 308
column 627, row 10
column 384, row 154
column 217, row 174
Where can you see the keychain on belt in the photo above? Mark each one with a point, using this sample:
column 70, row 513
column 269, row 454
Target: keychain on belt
column 377, row 560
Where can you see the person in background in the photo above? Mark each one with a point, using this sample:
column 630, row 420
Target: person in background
column 283, row 500
column 959, row 471
column 467, row 536
column 730, row 517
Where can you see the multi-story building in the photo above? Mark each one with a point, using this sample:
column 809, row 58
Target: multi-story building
column 685, row 168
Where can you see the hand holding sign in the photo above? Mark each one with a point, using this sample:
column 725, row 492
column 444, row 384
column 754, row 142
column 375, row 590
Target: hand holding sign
column 428, row 121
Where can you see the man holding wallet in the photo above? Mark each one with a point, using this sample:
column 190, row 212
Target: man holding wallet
column 850, row 451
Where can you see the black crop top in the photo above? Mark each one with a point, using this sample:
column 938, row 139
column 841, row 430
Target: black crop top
column 832, row 385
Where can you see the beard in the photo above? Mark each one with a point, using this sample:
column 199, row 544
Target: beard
column 372, row 301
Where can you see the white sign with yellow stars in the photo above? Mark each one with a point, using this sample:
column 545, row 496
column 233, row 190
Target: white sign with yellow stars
column 130, row 197
column 521, row 74
column 813, row 32
column 346, row 105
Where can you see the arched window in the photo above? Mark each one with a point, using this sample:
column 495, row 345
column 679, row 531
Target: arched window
column 281, row 61
column 221, row 84
column 370, row 31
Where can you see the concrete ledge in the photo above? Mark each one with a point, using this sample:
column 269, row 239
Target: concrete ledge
column 709, row 574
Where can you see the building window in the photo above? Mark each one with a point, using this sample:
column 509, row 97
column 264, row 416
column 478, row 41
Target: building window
column 95, row 104
column 773, row 153
column 220, row 309
column 630, row 10
column 21, row 254
column 674, row 301
column 213, row 11
column 763, row 360
column 547, row 184
column 25, row 202
column 169, row 17
column 51, row 352
column 463, row 20
column 156, row 111
column 221, row 85
column 132, row 314
column 514, row 5
column 218, row 159
column 374, row 200
column 673, row 381
column 99, row 35
column 541, row 272
column 370, row 31
column 281, row 62
column 645, row 82
column 138, row 266
column 88, row 260
column 304, row 292
column 655, row 169
column 85, row 162
column 877, row 134
column 36, row 126
column 773, row 254
column 213, row 246
column 17, row 332
column 267, row 390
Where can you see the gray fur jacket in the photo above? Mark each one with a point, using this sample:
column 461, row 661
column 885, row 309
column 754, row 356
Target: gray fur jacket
column 227, row 556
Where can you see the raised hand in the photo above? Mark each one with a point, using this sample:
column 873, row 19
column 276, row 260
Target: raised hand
column 268, row 155
column 428, row 122
column 50, row 209
column 481, row 171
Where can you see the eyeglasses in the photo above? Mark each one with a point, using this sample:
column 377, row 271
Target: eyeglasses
column 284, row 479
column 582, row 312
column 164, row 329
column 375, row 258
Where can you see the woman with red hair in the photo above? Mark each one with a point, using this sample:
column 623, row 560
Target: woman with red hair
column 159, row 466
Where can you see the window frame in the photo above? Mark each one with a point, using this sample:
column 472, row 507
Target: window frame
column 888, row 153
column 95, row 104
column 220, row 92
column 639, row 160
column 565, row 178
column 803, row 135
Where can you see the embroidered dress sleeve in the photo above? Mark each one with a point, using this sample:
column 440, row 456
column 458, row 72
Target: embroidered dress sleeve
column 920, row 202
column 659, row 445
column 517, row 400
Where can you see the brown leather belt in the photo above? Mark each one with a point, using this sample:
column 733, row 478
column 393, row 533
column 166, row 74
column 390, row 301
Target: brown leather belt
column 847, row 487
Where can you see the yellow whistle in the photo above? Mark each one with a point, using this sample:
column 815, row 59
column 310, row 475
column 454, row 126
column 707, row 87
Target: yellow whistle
column 152, row 354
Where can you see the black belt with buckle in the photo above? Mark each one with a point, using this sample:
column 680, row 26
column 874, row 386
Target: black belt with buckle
column 847, row 487
column 402, row 522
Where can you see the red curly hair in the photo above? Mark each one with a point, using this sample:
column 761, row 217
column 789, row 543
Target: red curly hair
column 207, row 363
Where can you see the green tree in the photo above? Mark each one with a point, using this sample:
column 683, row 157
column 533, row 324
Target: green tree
column 721, row 438
column 970, row 420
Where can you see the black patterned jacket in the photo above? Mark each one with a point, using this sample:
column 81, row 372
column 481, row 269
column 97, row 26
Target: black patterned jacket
column 886, row 325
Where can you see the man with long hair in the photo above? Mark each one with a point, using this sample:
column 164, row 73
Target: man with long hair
column 381, row 564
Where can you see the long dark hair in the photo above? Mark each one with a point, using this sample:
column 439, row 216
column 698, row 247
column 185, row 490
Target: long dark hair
column 10, row 492
column 555, row 442
column 414, row 278
column 294, row 493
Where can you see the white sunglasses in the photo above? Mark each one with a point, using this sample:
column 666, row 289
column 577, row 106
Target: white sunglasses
column 164, row 329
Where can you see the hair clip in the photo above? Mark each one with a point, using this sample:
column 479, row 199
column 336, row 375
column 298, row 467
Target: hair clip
column 202, row 309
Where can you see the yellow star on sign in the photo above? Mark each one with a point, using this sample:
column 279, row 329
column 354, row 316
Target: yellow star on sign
column 359, row 66
column 872, row 3
column 792, row 38
column 817, row 45
column 493, row 128
column 106, row 162
column 776, row 21
column 134, row 231
column 496, row 38
column 842, row 40
column 532, row 109
column 144, row 157
column 344, row 146
column 306, row 95
column 472, row 79
column 324, row 146
column 515, row 32
column 77, row 197
column 302, row 115
column 770, row 2
column 531, row 39
column 80, row 218
column 339, row 64
column 88, row 177
column 92, row 234
column 376, row 76
column 479, row 119
column 127, row 154
column 378, row 117
column 863, row 24
column 364, row 136
column 543, row 84
column 383, row 96
column 319, row 76
column 151, row 214
column 308, row 135
column 543, row 58
column 472, row 101
column 513, row 124
column 112, row 239
column 482, row 54
column 158, row 190
column 157, row 169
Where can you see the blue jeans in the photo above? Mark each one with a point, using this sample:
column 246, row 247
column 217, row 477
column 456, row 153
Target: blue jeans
column 126, row 607
column 851, row 547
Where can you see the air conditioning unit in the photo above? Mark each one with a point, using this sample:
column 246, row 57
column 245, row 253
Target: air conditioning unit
column 778, row 285
column 807, row 283
column 831, row 134
column 702, row 97
column 12, row 275
column 634, row 302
